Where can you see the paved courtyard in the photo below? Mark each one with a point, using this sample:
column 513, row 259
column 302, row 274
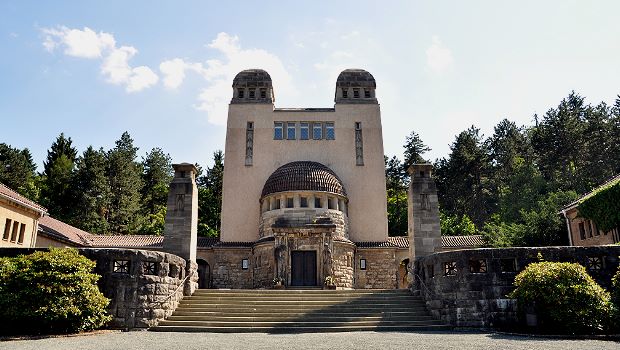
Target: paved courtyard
column 353, row 340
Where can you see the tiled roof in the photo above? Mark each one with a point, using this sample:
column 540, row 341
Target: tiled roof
column 385, row 244
column 607, row 183
column 58, row 229
column 127, row 241
column 207, row 242
column 18, row 198
column 400, row 241
column 303, row 176
column 471, row 241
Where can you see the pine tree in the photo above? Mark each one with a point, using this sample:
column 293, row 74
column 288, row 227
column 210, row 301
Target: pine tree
column 396, row 186
column 414, row 149
column 462, row 179
column 57, row 176
column 125, row 177
column 210, row 197
column 91, row 192
column 156, row 178
column 18, row 171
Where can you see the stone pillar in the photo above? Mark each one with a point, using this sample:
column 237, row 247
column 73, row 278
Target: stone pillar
column 423, row 212
column 181, row 228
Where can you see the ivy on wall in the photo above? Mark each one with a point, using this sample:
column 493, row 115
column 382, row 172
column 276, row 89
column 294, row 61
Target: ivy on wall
column 603, row 206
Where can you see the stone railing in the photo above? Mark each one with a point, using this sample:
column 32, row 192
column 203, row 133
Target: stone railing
column 144, row 287
column 468, row 288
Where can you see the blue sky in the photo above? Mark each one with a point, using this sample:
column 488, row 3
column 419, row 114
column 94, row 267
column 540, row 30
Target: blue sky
column 162, row 70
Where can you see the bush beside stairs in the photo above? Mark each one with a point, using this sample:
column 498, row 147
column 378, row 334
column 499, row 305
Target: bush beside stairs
column 277, row 311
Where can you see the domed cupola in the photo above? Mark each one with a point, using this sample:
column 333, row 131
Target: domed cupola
column 252, row 86
column 304, row 176
column 355, row 86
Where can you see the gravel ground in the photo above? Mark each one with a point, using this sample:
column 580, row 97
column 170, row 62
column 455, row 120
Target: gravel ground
column 353, row 340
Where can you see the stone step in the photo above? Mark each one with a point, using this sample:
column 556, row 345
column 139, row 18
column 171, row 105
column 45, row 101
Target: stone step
column 296, row 313
column 295, row 324
column 302, row 292
column 300, row 311
column 299, row 318
column 304, row 329
column 373, row 298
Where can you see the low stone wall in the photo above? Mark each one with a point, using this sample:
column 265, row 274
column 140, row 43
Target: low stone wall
column 468, row 288
column 144, row 287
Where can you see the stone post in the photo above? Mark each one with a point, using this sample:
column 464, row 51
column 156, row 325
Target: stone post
column 423, row 212
column 181, row 228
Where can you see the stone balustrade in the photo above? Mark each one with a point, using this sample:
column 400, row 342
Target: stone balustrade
column 468, row 288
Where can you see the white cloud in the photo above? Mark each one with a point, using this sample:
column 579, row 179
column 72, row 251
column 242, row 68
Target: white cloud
column 438, row 57
column 115, row 67
column 219, row 74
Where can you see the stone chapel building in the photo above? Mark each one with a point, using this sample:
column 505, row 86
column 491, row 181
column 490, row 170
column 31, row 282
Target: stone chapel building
column 304, row 193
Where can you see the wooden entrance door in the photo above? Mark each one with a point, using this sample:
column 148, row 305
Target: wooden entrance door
column 303, row 268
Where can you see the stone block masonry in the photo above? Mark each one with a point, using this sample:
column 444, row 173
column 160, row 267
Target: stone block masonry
column 469, row 288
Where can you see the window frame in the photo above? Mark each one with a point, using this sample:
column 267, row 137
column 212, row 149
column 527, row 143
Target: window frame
column 278, row 126
column 330, row 126
column 304, row 126
column 317, row 126
column 291, row 126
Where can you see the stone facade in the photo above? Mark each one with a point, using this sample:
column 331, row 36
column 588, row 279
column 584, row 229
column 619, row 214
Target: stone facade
column 381, row 268
column 228, row 271
column 181, row 228
column 468, row 288
column 423, row 212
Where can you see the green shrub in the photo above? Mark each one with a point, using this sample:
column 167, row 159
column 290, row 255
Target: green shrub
column 615, row 299
column 50, row 292
column 565, row 297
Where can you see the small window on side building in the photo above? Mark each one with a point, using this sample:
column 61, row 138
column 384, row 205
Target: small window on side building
column 582, row 231
column 263, row 93
column 317, row 202
column 345, row 93
column 7, row 229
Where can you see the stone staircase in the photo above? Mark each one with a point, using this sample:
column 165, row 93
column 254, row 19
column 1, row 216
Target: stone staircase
column 213, row 310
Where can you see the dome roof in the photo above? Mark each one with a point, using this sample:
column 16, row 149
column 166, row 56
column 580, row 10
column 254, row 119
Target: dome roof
column 355, row 78
column 303, row 176
column 252, row 78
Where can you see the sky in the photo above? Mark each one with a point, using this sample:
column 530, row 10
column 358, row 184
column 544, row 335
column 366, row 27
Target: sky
column 162, row 70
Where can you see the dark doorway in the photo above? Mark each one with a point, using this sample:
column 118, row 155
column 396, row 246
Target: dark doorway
column 204, row 274
column 303, row 268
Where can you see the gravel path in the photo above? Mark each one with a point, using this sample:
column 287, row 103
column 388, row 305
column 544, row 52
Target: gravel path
column 353, row 340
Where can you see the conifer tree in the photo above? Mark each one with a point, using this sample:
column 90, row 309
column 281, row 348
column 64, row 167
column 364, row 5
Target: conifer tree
column 414, row 149
column 157, row 175
column 91, row 190
column 125, row 176
column 17, row 171
column 57, row 176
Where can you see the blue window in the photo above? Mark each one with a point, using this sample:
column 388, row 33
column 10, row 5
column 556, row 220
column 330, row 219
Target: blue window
column 330, row 133
column 290, row 130
column 304, row 131
column 277, row 130
column 317, row 131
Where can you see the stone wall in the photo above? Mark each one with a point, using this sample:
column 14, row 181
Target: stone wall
column 139, row 298
column 381, row 268
column 144, row 287
column 343, row 264
column 468, row 288
column 298, row 217
column 264, row 265
column 227, row 269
